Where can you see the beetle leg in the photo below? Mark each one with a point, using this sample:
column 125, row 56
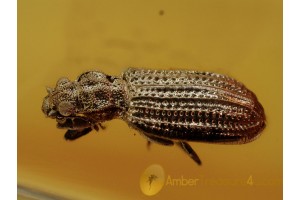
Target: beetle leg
column 74, row 134
column 96, row 127
column 158, row 140
column 101, row 126
column 148, row 144
column 188, row 149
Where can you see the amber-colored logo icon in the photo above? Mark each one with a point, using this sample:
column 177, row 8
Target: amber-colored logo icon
column 152, row 180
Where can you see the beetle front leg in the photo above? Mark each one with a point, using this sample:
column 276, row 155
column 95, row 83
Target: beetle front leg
column 96, row 126
column 74, row 134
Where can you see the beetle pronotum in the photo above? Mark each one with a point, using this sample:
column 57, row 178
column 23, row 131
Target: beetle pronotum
column 166, row 106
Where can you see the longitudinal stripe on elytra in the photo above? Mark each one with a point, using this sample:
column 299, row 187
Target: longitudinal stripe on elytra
column 195, row 92
column 193, row 104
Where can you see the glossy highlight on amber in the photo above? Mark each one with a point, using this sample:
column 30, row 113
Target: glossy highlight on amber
column 166, row 106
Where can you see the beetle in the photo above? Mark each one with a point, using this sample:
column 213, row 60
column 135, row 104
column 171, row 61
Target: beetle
column 166, row 106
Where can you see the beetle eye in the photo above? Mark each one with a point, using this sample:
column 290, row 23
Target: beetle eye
column 66, row 108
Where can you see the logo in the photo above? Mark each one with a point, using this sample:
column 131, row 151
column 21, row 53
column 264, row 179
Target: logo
column 152, row 180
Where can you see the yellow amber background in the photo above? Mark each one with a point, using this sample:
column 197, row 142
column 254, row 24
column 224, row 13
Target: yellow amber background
column 240, row 38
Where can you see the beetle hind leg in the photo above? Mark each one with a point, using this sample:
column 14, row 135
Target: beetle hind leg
column 152, row 139
column 189, row 150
